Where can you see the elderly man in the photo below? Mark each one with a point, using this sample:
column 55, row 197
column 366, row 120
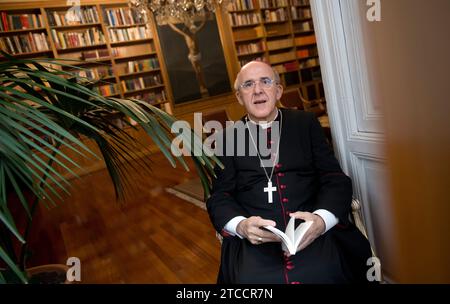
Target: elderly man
column 304, row 181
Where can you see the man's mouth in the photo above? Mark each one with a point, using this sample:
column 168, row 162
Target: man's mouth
column 259, row 101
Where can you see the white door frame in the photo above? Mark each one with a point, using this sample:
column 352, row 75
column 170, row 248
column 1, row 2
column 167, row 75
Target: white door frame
column 355, row 120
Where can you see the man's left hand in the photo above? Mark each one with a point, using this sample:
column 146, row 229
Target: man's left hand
column 316, row 229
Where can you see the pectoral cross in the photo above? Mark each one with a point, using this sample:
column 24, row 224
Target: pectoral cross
column 269, row 189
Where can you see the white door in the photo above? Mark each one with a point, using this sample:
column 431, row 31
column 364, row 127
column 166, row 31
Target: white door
column 349, row 74
column 401, row 63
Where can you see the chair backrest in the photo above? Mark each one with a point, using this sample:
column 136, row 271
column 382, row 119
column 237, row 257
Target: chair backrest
column 292, row 99
column 357, row 217
column 316, row 106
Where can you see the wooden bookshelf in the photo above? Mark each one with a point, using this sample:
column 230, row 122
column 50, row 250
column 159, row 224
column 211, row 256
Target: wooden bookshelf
column 111, row 42
column 276, row 31
column 124, row 56
column 281, row 33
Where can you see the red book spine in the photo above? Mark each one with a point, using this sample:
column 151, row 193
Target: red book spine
column 5, row 21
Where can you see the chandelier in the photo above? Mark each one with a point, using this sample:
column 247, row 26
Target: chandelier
column 177, row 11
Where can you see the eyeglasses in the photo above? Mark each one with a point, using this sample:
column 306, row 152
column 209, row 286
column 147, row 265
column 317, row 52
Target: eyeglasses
column 266, row 83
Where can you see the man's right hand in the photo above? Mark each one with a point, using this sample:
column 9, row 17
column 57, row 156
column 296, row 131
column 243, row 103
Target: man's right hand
column 252, row 229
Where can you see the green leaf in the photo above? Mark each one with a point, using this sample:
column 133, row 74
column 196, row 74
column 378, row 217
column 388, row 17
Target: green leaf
column 11, row 226
column 17, row 190
column 26, row 155
column 41, row 141
column 48, row 105
column 140, row 117
column 31, row 113
column 13, row 266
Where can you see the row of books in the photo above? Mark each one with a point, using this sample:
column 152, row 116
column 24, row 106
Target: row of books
column 245, row 60
column 119, row 52
column 73, row 16
column 302, row 26
column 255, row 32
column 280, row 43
column 152, row 97
column 141, row 83
column 273, row 3
column 115, row 52
column 244, row 19
column 95, row 73
column 28, row 43
column 122, row 16
column 104, row 53
column 312, row 62
column 282, row 57
column 277, row 31
column 300, row 13
column 286, row 67
column 141, row 65
column 84, row 37
column 131, row 33
column 305, row 40
column 300, row 2
column 239, row 5
column 250, row 48
column 95, row 54
column 304, row 53
column 107, row 89
column 238, row 19
column 10, row 22
column 275, row 15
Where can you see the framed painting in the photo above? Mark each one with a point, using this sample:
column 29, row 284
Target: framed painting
column 194, row 59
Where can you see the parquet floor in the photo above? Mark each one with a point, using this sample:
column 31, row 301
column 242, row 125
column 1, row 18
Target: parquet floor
column 155, row 237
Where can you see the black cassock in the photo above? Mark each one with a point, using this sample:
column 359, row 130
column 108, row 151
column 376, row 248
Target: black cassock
column 307, row 177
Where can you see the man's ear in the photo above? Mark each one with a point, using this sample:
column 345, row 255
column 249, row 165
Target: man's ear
column 279, row 91
column 238, row 96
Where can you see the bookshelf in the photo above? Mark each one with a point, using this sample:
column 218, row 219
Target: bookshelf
column 115, row 45
column 24, row 34
column 111, row 43
column 281, row 33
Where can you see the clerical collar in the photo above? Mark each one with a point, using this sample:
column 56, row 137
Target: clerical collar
column 264, row 125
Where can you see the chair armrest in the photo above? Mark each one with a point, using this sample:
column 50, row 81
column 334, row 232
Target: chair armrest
column 357, row 218
column 219, row 237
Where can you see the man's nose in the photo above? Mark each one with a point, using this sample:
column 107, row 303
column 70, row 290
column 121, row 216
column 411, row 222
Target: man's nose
column 258, row 89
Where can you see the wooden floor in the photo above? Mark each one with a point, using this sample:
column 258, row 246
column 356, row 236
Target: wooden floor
column 154, row 237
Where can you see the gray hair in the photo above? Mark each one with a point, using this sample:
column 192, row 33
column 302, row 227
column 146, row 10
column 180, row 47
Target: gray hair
column 276, row 76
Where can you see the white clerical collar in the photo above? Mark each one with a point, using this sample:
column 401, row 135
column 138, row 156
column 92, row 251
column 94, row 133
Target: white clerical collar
column 263, row 125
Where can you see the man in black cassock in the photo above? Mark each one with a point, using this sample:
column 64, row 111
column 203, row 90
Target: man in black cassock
column 304, row 181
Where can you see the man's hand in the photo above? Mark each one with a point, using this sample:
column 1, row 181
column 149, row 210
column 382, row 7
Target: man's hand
column 316, row 229
column 252, row 229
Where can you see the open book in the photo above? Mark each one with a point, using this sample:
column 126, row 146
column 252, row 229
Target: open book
column 291, row 238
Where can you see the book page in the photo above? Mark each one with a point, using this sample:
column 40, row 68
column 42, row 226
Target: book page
column 290, row 229
column 284, row 238
column 292, row 237
column 300, row 232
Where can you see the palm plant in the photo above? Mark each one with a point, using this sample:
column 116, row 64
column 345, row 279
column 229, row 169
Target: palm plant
column 44, row 109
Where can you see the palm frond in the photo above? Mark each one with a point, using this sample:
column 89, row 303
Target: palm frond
column 44, row 108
